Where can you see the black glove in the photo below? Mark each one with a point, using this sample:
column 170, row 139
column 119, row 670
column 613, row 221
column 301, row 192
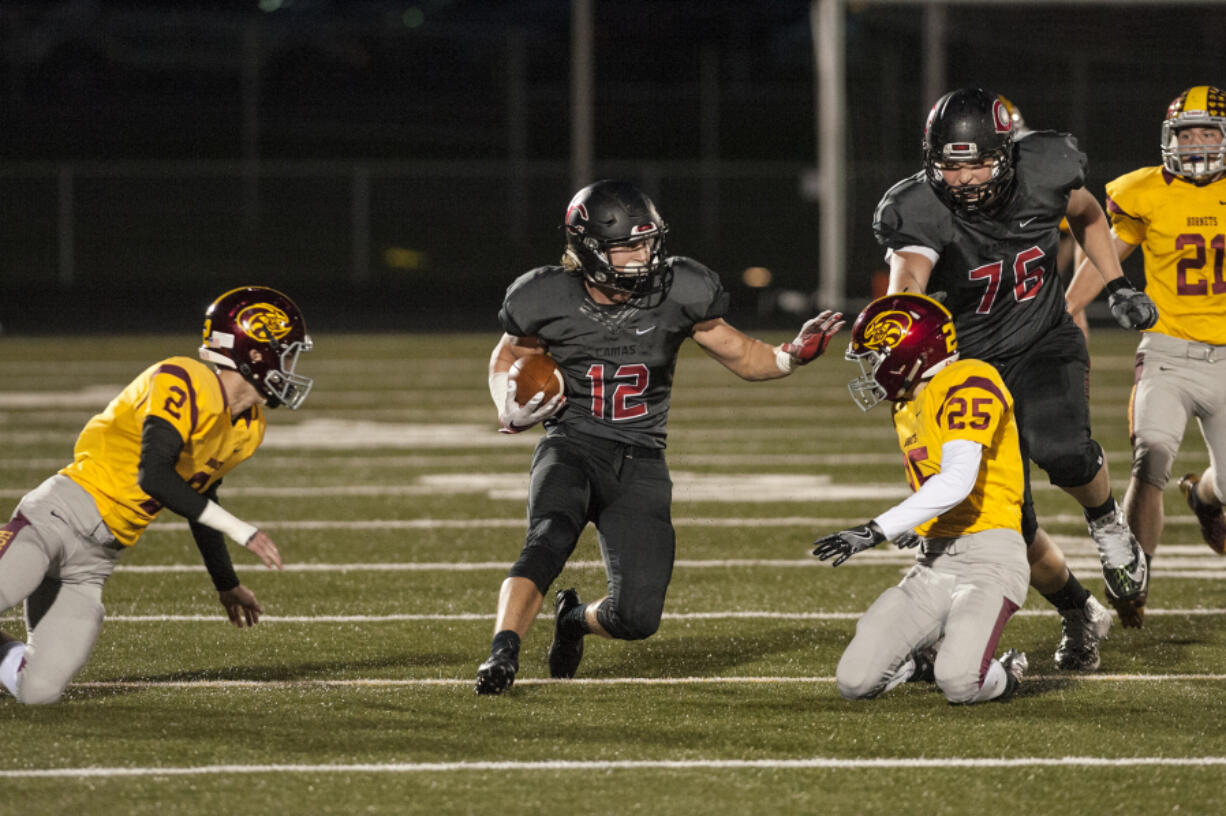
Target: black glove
column 907, row 539
column 1130, row 308
column 847, row 543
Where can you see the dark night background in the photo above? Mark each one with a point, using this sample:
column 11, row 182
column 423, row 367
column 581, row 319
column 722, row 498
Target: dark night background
column 393, row 165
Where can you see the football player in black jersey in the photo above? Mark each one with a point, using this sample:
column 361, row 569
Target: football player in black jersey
column 980, row 225
column 613, row 316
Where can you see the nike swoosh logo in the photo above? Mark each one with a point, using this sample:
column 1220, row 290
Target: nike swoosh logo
column 1023, row 224
column 643, row 331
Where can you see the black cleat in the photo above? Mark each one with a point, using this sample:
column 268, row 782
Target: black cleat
column 497, row 673
column 565, row 652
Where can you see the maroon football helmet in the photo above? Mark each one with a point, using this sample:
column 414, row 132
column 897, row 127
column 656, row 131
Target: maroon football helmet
column 259, row 332
column 899, row 340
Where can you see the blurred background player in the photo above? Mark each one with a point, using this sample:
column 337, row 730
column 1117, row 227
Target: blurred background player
column 954, row 419
column 165, row 442
column 980, row 225
column 613, row 315
column 1177, row 214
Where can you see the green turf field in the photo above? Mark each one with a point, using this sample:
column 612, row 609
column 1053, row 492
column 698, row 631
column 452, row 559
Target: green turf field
column 397, row 508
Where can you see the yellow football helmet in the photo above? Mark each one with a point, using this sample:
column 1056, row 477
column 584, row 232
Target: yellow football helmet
column 1202, row 106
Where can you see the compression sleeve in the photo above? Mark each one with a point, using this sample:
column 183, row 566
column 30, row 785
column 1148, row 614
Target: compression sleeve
column 160, row 445
column 959, row 469
column 212, row 546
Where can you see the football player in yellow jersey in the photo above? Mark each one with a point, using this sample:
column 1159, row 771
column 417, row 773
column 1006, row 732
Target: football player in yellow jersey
column 165, row 442
column 960, row 446
column 1176, row 213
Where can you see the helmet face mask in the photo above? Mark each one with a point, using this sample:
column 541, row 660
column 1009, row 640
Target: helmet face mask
column 610, row 214
column 970, row 126
column 1202, row 106
column 260, row 333
column 899, row 341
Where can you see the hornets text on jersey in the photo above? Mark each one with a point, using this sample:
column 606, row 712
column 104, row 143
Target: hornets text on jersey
column 965, row 400
column 187, row 394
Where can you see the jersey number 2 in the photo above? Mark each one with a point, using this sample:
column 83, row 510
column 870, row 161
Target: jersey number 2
column 631, row 381
column 1201, row 287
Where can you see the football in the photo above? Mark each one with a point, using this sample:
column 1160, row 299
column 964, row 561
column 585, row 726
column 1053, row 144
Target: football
column 533, row 373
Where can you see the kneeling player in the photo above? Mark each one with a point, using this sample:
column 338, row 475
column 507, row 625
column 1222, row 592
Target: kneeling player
column 165, row 442
column 955, row 425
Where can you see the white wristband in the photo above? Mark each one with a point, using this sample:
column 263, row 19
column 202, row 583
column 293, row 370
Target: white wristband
column 222, row 520
column 498, row 389
column 784, row 360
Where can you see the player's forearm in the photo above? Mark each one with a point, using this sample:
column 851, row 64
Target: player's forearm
column 216, row 557
column 160, row 446
column 945, row 490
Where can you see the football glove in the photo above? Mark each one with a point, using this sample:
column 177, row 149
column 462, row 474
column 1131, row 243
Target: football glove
column 1130, row 308
column 844, row 544
column 908, row 539
column 515, row 417
column 813, row 338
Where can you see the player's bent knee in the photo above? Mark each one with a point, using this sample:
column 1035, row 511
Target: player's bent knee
column 959, row 685
column 1153, row 455
column 547, row 546
column 856, row 677
column 628, row 624
column 36, row 691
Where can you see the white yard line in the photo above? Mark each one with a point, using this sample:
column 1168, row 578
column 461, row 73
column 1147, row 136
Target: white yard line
column 408, row 617
column 833, row 763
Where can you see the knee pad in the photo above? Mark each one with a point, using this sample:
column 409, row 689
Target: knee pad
column 547, row 546
column 30, row 691
column 1153, row 454
column 1070, row 469
column 628, row 624
column 856, row 684
column 958, row 686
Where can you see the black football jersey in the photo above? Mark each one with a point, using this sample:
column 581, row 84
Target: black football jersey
column 617, row 361
column 999, row 273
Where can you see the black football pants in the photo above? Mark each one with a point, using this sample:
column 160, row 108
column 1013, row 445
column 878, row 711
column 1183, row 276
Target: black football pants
column 626, row 492
column 1051, row 402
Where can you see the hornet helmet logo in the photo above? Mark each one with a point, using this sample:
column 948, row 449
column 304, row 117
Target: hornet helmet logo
column 887, row 330
column 263, row 322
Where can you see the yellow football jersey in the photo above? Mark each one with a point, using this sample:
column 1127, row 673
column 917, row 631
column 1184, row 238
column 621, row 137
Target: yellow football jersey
column 965, row 400
column 187, row 394
column 1182, row 230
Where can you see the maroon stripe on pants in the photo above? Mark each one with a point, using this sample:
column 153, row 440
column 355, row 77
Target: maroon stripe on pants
column 9, row 531
column 1007, row 608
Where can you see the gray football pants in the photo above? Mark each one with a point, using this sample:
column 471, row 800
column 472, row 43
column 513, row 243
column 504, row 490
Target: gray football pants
column 1175, row 381
column 963, row 590
column 56, row 562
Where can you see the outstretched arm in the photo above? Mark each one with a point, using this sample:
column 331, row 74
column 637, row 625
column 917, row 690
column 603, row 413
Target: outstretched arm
column 752, row 359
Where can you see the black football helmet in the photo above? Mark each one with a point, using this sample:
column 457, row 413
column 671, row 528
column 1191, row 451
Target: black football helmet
column 612, row 213
column 970, row 125
column 259, row 332
column 899, row 340
column 1200, row 106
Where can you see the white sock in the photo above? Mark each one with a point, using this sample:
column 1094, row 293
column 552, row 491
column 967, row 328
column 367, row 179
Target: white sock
column 9, row 665
column 994, row 684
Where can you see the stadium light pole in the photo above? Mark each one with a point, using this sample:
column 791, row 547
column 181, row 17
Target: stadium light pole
column 830, row 103
column 581, row 83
